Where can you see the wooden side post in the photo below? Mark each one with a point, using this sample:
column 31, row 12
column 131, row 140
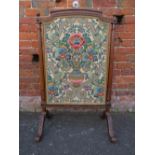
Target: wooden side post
column 106, row 113
column 44, row 112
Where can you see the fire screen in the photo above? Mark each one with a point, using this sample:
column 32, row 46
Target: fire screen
column 76, row 58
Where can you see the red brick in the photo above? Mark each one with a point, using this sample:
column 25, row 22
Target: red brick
column 83, row 3
column 34, row 36
column 116, row 72
column 44, row 11
column 24, row 36
column 129, row 19
column 25, row 58
column 120, row 57
column 23, row 85
column 124, row 79
column 25, row 66
column 127, row 72
column 122, row 92
column 26, row 4
column 61, row 4
column 28, row 73
column 29, row 66
column 123, row 65
column 132, row 85
column 124, row 99
column 28, row 28
column 127, row 11
column 124, row 43
column 124, row 35
column 120, row 86
column 127, row 3
column 122, row 50
column 35, row 86
column 27, row 20
column 28, row 36
column 22, row 92
column 29, row 92
column 110, row 11
column 21, row 62
column 24, row 27
column 28, row 51
column 104, row 3
column 36, row 72
column 46, row 4
column 35, row 44
column 25, row 73
column 29, row 79
column 31, row 12
column 69, row 3
column 25, row 44
column 125, row 28
column 131, row 58
column 34, row 28
column 33, row 93
column 128, row 43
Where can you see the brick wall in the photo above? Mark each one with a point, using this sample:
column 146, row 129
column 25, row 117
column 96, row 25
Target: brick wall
column 124, row 51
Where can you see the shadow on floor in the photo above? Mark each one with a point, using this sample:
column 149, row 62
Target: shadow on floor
column 77, row 134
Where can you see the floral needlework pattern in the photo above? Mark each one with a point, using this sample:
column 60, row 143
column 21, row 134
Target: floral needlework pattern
column 76, row 50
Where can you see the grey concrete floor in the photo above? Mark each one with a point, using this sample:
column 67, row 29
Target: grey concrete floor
column 77, row 134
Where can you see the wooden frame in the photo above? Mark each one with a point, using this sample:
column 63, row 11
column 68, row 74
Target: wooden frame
column 106, row 113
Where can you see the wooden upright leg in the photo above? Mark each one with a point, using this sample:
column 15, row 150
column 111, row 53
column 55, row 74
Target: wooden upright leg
column 110, row 127
column 106, row 114
column 40, row 127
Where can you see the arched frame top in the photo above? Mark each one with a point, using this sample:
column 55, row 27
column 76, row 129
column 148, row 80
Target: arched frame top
column 72, row 12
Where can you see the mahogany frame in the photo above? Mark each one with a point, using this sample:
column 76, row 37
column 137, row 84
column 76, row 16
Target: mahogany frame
column 45, row 113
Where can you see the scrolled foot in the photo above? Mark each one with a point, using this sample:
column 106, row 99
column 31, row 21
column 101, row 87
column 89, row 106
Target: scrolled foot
column 110, row 128
column 37, row 139
column 40, row 127
column 113, row 139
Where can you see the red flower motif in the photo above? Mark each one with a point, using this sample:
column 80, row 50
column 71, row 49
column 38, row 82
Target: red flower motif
column 76, row 40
